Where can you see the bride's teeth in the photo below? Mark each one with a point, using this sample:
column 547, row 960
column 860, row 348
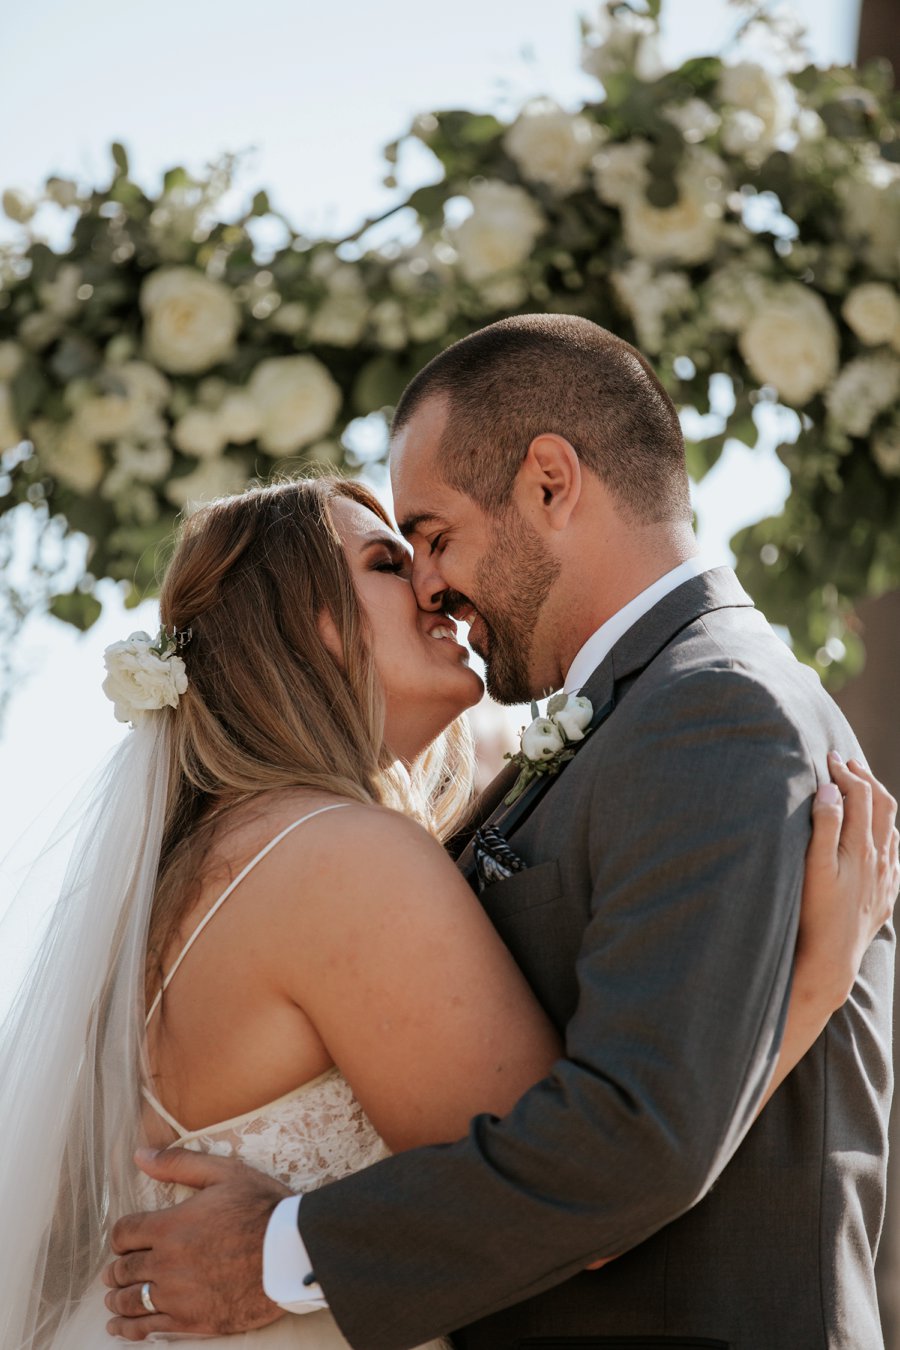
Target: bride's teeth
column 441, row 633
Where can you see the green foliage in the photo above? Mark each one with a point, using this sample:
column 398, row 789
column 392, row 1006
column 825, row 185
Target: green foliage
column 722, row 218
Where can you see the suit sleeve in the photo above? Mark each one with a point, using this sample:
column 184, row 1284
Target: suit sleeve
column 697, row 839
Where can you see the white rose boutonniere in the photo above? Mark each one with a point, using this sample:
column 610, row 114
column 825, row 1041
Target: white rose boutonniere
column 550, row 741
column 143, row 675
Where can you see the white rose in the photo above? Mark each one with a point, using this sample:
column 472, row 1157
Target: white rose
column 340, row 321
column 68, row 455
column 574, row 718
column 11, row 358
column 620, row 40
column 191, row 320
column 298, row 402
column 200, row 432
column 886, row 450
column 620, row 171
column 864, row 388
column 212, row 478
column 694, row 118
column 131, row 408
column 551, row 146
column 291, row 318
column 501, row 231
column 750, row 88
column 239, row 417
column 139, row 680
column 9, row 430
column 873, row 312
column 649, row 297
column 688, row 230
column 542, row 740
column 791, row 343
column 18, row 206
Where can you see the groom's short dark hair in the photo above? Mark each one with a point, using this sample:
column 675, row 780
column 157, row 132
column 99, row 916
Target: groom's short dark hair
column 537, row 373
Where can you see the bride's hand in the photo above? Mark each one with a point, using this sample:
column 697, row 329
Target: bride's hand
column 851, row 882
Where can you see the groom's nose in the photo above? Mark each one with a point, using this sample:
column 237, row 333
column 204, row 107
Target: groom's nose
column 428, row 584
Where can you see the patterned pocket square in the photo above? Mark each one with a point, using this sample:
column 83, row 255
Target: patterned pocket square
column 494, row 859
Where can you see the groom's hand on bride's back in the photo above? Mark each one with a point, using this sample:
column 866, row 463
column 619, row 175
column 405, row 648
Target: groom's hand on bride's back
column 202, row 1259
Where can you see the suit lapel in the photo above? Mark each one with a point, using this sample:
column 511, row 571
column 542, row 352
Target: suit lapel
column 716, row 589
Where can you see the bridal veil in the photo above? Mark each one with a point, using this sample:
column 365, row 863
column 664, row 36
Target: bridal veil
column 71, row 1049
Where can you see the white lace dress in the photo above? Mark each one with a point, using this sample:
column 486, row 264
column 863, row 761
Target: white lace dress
column 314, row 1135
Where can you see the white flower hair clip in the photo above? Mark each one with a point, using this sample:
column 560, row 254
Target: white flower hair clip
column 550, row 741
column 145, row 675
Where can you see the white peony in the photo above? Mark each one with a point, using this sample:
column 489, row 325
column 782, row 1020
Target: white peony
column 18, row 206
column 886, row 450
column 769, row 99
column 574, row 718
column 11, row 359
column 139, row 680
column 131, row 408
column 340, row 321
column 542, row 740
column 688, row 230
column 200, row 432
column 68, row 455
column 864, row 388
column 550, row 145
column 298, row 402
column 9, row 430
column 791, row 343
column 501, row 231
column 873, row 312
column 212, row 478
column 191, row 320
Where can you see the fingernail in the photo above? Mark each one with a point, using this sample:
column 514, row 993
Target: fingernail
column 146, row 1154
column 830, row 793
column 835, row 757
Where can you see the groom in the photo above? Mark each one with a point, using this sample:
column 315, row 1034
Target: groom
column 650, row 893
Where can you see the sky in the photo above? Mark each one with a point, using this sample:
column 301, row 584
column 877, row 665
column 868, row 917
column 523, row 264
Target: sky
column 312, row 92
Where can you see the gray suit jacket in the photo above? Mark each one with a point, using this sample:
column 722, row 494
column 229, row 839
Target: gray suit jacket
column 656, row 922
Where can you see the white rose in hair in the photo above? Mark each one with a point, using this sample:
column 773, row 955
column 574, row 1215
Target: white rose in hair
column 191, row 320
column 139, row 680
column 501, row 231
column 550, row 145
column 873, row 312
column 791, row 343
column 574, row 717
column 297, row 401
column 542, row 740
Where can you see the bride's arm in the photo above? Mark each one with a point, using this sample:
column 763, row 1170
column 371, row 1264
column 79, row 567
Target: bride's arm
column 841, row 910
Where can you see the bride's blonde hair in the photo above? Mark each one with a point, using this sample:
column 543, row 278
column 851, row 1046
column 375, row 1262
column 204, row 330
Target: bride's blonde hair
column 267, row 706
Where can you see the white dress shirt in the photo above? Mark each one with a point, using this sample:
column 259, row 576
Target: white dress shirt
column 286, row 1263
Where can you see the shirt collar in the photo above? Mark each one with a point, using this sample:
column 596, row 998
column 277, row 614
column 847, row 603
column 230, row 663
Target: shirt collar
column 601, row 643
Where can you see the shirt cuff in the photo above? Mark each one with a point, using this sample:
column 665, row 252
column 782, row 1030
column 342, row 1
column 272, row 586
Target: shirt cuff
column 286, row 1265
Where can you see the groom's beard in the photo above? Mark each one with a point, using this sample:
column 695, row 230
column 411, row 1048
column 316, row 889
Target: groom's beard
column 513, row 581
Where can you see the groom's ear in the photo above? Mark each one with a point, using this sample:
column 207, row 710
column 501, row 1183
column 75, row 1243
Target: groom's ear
column 549, row 483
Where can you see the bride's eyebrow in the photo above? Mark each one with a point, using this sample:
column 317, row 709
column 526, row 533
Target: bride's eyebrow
column 388, row 541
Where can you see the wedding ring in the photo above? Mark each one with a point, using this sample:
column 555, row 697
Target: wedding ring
column 146, row 1299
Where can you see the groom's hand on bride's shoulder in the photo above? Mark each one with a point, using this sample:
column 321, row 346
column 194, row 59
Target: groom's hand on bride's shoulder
column 199, row 1264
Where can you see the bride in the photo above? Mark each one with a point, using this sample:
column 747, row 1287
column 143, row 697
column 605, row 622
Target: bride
column 258, row 910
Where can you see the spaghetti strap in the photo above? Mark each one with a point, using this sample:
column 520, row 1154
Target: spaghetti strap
column 335, row 806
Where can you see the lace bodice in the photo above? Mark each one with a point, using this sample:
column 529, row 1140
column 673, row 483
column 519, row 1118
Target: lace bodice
column 314, row 1135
